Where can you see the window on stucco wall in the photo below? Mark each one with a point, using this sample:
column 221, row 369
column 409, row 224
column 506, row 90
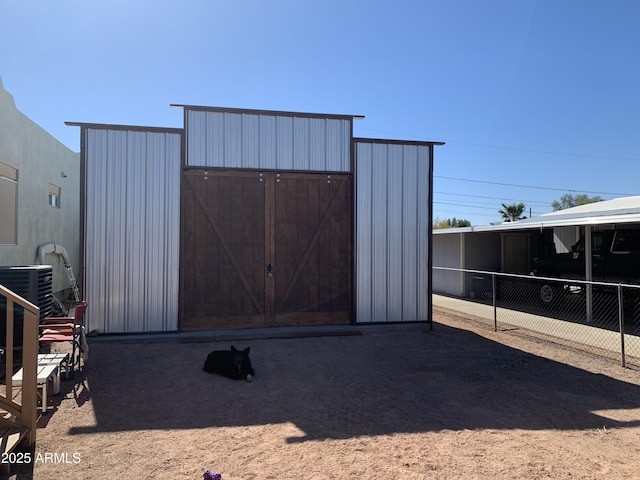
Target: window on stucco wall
column 9, row 202
column 54, row 195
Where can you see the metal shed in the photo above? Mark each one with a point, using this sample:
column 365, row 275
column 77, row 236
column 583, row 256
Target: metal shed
column 253, row 218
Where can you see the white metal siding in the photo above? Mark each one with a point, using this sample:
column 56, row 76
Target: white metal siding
column 392, row 219
column 448, row 252
column 565, row 237
column 267, row 141
column 132, row 230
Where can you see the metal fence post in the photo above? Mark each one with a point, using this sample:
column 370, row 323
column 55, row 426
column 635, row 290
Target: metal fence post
column 621, row 323
column 495, row 308
column 562, row 317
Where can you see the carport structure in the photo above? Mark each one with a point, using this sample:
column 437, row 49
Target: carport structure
column 509, row 247
column 252, row 218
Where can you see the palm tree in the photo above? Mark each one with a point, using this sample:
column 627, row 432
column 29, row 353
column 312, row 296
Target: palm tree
column 513, row 212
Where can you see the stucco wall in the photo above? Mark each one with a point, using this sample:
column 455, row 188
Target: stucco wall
column 40, row 160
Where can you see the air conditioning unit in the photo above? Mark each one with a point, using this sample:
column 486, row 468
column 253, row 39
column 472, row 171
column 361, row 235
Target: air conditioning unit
column 33, row 283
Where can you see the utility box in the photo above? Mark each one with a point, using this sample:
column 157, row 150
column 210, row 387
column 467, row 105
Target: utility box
column 33, row 283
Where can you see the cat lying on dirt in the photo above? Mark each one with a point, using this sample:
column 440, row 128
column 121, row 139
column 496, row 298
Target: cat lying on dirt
column 231, row 363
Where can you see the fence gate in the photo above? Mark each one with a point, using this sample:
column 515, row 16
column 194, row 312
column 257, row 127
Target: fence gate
column 265, row 249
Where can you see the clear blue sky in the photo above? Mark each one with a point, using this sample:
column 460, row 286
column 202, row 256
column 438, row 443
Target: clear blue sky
column 534, row 99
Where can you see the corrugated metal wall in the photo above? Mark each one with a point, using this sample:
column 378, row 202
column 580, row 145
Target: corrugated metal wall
column 392, row 232
column 267, row 141
column 131, row 237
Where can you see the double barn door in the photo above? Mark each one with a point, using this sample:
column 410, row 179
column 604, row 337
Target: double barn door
column 265, row 249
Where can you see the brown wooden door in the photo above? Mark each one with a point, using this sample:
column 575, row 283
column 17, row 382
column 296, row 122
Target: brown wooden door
column 262, row 249
column 312, row 249
column 222, row 250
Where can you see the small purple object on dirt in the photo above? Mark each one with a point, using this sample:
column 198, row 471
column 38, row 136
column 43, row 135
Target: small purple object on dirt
column 209, row 475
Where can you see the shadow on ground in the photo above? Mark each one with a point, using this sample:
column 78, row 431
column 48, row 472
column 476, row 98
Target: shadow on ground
column 379, row 383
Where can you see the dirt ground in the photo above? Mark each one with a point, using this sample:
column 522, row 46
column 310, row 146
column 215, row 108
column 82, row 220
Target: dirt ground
column 458, row 402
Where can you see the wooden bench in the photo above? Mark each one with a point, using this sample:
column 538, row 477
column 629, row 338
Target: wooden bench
column 49, row 365
column 59, row 359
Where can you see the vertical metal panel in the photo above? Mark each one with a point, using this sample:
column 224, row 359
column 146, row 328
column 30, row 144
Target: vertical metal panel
column 95, row 224
column 379, row 217
column 392, row 215
column 116, row 209
column 284, row 138
column 394, row 237
column 132, row 229
column 301, row 144
column 212, row 134
column 250, row 140
column 135, row 225
column 270, row 141
column 196, row 136
column 422, row 239
column 364, row 246
column 317, row 145
column 337, row 153
column 411, row 212
column 232, row 140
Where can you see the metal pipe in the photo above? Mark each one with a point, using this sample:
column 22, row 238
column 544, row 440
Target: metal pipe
column 495, row 309
column 621, row 323
column 588, row 271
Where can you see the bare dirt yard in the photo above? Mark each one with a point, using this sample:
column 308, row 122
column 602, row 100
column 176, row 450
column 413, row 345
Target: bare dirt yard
column 458, row 402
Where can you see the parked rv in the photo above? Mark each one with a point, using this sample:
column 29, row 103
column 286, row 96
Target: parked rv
column 615, row 259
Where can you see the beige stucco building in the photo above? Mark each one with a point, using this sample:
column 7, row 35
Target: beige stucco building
column 39, row 193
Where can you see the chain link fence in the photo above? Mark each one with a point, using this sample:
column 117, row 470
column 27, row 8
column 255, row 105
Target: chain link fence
column 601, row 318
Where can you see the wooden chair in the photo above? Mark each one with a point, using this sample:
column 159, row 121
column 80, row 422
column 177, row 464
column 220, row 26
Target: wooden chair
column 66, row 329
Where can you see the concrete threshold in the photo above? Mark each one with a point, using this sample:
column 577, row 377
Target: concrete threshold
column 257, row 333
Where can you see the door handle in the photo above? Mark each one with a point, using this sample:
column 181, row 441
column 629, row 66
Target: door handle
column 269, row 269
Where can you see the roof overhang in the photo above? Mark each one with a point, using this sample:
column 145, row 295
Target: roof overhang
column 548, row 223
column 266, row 112
column 625, row 210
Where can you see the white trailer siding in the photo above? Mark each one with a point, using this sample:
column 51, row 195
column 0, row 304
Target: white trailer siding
column 565, row 237
column 448, row 251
